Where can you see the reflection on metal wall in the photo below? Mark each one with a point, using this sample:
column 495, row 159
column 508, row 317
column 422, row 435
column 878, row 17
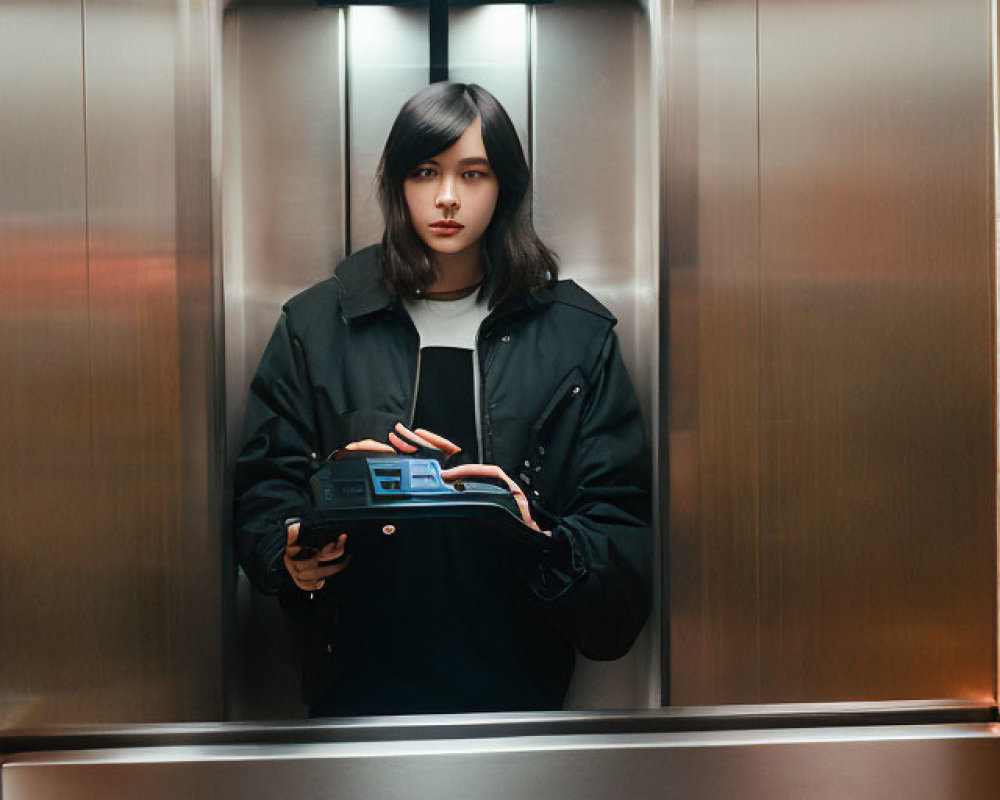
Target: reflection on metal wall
column 832, row 466
column 45, row 422
column 490, row 45
column 110, row 582
column 387, row 61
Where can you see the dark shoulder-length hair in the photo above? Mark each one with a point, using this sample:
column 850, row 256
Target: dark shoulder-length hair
column 430, row 122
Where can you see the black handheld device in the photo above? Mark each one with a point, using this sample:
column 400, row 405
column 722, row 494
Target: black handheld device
column 365, row 493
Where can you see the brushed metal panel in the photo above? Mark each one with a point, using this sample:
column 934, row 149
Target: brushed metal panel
column 878, row 557
column 152, row 598
column 647, row 54
column 678, row 390
column 389, row 61
column 196, row 596
column 283, row 230
column 941, row 761
column 714, row 344
column 823, row 717
column 586, row 204
column 489, row 45
column 45, row 469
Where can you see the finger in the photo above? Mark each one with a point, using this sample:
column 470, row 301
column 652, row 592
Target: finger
column 293, row 533
column 522, row 503
column 310, row 585
column 448, row 446
column 413, row 438
column 492, row 471
column 333, row 550
column 399, row 444
column 474, row 470
column 369, row 444
column 320, row 571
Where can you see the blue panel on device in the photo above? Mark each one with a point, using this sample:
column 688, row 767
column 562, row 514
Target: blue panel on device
column 405, row 476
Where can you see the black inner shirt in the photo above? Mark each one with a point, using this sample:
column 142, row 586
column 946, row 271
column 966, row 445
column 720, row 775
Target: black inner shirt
column 446, row 401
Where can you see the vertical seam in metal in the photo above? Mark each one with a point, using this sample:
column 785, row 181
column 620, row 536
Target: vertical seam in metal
column 86, row 234
column 345, row 130
column 530, row 55
column 994, row 101
column 760, row 361
column 655, row 686
column 664, row 110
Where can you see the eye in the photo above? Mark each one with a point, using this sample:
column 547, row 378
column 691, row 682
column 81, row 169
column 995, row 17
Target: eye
column 423, row 172
column 474, row 174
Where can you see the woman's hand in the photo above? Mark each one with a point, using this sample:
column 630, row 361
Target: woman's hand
column 493, row 471
column 369, row 444
column 407, row 441
column 309, row 572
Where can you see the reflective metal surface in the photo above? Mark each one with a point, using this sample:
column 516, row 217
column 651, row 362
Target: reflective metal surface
column 878, row 457
column 832, row 363
column 490, row 45
column 111, row 564
column 283, row 230
column 492, row 725
column 44, row 360
column 388, row 61
column 157, row 632
column 875, row 762
column 590, row 207
column 714, row 347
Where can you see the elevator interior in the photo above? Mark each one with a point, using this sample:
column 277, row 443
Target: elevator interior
column 789, row 205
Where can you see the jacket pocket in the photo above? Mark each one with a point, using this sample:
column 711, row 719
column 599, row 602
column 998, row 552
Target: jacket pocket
column 545, row 467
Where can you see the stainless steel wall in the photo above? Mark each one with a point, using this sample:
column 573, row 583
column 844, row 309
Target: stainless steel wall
column 832, row 384
column 826, row 220
column 110, row 551
column 593, row 203
column 283, row 228
column 860, row 763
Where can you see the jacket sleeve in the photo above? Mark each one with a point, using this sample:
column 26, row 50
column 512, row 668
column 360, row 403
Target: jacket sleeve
column 275, row 462
column 594, row 583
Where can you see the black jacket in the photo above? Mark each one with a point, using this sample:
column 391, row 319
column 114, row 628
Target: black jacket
column 462, row 621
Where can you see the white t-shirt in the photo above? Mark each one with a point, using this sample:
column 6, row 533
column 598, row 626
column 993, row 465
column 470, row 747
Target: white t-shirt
column 447, row 400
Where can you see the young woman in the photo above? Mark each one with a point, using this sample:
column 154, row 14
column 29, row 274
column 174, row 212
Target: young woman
column 453, row 333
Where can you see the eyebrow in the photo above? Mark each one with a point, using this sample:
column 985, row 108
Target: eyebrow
column 465, row 162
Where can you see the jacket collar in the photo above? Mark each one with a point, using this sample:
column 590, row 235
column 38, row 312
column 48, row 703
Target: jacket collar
column 363, row 291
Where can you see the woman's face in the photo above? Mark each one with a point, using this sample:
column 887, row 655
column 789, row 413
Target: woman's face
column 451, row 197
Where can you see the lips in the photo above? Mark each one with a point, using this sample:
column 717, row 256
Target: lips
column 447, row 224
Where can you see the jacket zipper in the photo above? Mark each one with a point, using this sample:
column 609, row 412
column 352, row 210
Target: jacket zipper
column 485, row 428
column 486, row 451
column 416, row 377
column 416, row 387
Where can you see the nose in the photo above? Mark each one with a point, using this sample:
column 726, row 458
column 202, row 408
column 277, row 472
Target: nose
column 447, row 196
